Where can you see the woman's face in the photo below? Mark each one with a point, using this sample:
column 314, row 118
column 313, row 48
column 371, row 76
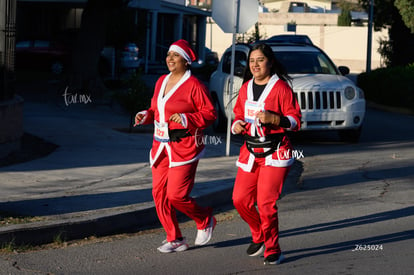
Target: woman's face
column 175, row 62
column 259, row 66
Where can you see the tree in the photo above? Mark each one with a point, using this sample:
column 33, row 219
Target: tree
column 345, row 19
column 250, row 37
column 136, row 98
column 401, row 39
column 406, row 8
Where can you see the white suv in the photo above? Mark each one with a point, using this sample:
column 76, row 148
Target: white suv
column 328, row 100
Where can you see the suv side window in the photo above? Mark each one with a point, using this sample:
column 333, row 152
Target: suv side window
column 239, row 63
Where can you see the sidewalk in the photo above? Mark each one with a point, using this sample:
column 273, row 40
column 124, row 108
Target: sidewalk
column 98, row 181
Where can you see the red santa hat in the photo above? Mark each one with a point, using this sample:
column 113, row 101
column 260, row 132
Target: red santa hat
column 183, row 48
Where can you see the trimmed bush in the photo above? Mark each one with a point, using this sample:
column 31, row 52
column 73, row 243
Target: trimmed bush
column 135, row 98
column 389, row 86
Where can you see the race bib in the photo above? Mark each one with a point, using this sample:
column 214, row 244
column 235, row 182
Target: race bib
column 251, row 108
column 161, row 131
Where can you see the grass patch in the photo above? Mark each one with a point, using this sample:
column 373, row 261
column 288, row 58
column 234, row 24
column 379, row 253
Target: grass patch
column 10, row 218
column 59, row 239
column 11, row 247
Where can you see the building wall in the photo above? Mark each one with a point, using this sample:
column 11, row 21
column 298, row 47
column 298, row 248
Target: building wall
column 345, row 45
column 282, row 4
column 304, row 18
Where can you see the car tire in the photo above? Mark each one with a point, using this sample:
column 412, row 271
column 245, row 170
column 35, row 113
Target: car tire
column 219, row 125
column 351, row 136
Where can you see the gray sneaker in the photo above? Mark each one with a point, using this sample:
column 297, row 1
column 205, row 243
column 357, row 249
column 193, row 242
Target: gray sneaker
column 204, row 235
column 173, row 246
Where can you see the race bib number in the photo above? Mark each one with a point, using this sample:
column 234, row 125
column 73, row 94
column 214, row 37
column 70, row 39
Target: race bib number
column 251, row 108
column 161, row 131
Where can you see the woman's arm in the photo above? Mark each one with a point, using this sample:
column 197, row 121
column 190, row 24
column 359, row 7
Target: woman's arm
column 205, row 113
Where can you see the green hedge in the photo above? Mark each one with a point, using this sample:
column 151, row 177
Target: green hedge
column 389, row 86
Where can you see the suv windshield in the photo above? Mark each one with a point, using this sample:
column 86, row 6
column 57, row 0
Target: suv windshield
column 305, row 62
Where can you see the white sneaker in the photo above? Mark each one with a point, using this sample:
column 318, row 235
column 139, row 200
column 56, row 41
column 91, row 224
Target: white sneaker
column 174, row 246
column 204, row 235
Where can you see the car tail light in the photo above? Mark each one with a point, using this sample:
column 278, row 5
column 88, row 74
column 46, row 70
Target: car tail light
column 131, row 49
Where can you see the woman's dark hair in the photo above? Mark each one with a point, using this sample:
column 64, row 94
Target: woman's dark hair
column 277, row 67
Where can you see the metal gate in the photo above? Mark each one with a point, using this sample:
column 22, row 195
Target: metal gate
column 7, row 49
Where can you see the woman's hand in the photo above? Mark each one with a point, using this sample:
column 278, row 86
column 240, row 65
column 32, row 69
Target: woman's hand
column 267, row 117
column 239, row 127
column 176, row 118
column 138, row 118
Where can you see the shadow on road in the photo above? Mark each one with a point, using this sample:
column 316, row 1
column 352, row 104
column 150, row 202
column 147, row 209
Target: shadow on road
column 340, row 224
column 373, row 218
column 350, row 245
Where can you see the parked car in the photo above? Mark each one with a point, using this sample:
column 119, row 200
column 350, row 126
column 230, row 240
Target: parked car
column 210, row 58
column 290, row 38
column 42, row 54
column 129, row 56
column 128, row 59
column 328, row 100
column 55, row 57
column 298, row 7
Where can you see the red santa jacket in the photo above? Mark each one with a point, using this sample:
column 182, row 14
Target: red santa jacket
column 190, row 98
column 277, row 97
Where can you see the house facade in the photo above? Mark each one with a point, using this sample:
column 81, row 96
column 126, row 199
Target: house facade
column 168, row 21
column 163, row 21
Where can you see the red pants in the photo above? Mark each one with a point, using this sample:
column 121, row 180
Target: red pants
column 262, row 186
column 171, row 188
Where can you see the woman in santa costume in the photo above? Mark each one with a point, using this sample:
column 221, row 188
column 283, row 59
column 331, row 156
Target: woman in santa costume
column 265, row 108
column 180, row 109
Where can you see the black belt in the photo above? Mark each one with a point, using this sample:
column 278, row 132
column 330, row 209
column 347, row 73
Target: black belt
column 177, row 134
column 270, row 141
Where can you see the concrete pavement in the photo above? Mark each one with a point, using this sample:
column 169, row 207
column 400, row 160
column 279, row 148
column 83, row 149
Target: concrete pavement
column 98, row 181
